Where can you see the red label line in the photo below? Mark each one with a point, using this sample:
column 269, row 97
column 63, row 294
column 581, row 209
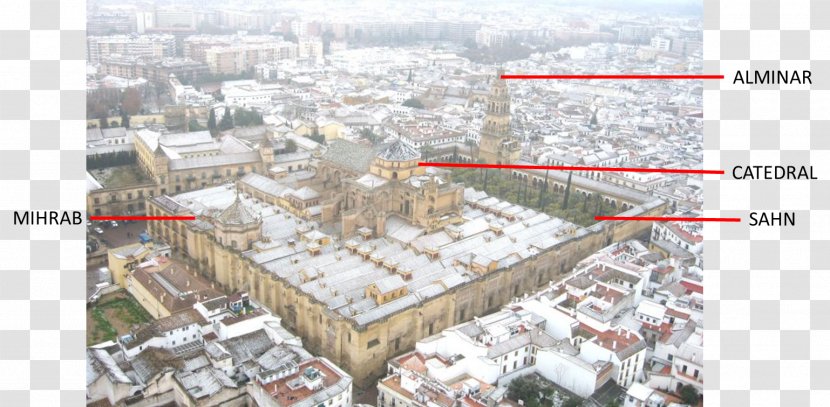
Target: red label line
column 645, row 77
column 106, row 218
column 572, row 168
column 666, row 219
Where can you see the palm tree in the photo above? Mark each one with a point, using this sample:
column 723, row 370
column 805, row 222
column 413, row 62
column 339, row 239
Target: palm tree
column 426, row 151
column 470, row 143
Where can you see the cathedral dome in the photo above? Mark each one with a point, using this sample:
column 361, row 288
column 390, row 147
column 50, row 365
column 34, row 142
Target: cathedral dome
column 237, row 214
column 399, row 151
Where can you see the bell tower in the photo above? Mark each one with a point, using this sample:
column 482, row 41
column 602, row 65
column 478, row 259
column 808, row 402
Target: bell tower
column 497, row 145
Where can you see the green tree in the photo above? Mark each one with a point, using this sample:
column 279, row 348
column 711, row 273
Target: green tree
column 125, row 120
column 567, row 191
column 426, row 152
column 689, row 395
column 240, row 117
column 543, row 191
column 194, row 125
column 290, row 146
column 613, row 403
column 319, row 138
column 227, row 120
column 524, row 389
column 102, row 123
column 211, row 123
column 471, row 144
column 131, row 101
column 412, row 102
column 369, row 135
column 572, row 402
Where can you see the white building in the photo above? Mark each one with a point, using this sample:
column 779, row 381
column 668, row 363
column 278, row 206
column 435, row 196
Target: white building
column 315, row 382
column 310, row 47
column 155, row 46
column 624, row 348
column 643, row 396
column 223, row 351
column 661, row 43
column 175, row 333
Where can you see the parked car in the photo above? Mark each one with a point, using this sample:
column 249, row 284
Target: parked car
column 99, row 231
column 114, row 224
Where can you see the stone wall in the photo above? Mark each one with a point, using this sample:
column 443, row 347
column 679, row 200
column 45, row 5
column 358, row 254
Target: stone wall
column 363, row 350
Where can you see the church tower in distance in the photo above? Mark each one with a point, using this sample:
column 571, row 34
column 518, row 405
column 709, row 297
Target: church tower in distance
column 497, row 146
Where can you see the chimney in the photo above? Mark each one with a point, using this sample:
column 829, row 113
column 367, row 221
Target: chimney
column 614, row 345
column 627, row 334
column 188, row 283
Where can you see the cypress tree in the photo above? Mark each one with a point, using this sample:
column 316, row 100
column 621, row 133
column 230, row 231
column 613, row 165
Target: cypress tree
column 227, row 120
column 211, row 123
column 542, row 191
column 567, row 190
column 485, row 179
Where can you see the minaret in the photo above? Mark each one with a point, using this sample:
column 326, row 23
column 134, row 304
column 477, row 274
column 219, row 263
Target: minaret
column 497, row 145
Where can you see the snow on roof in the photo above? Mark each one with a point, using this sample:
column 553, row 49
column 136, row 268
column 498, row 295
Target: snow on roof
column 264, row 184
column 237, row 214
column 389, row 284
column 399, row 151
column 185, row 139
column 639, row 391
column 370, row 180
column 651, row 309
column 91, row 183
column 305, row 193
column 205, row 382
column 98, row 363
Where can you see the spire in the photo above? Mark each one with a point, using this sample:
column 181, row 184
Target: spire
column 495, row 130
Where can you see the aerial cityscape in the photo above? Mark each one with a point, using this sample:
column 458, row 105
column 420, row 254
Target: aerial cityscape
column 307, row 245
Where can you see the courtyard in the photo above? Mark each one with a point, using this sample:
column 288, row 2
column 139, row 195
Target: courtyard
column 113, row 315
